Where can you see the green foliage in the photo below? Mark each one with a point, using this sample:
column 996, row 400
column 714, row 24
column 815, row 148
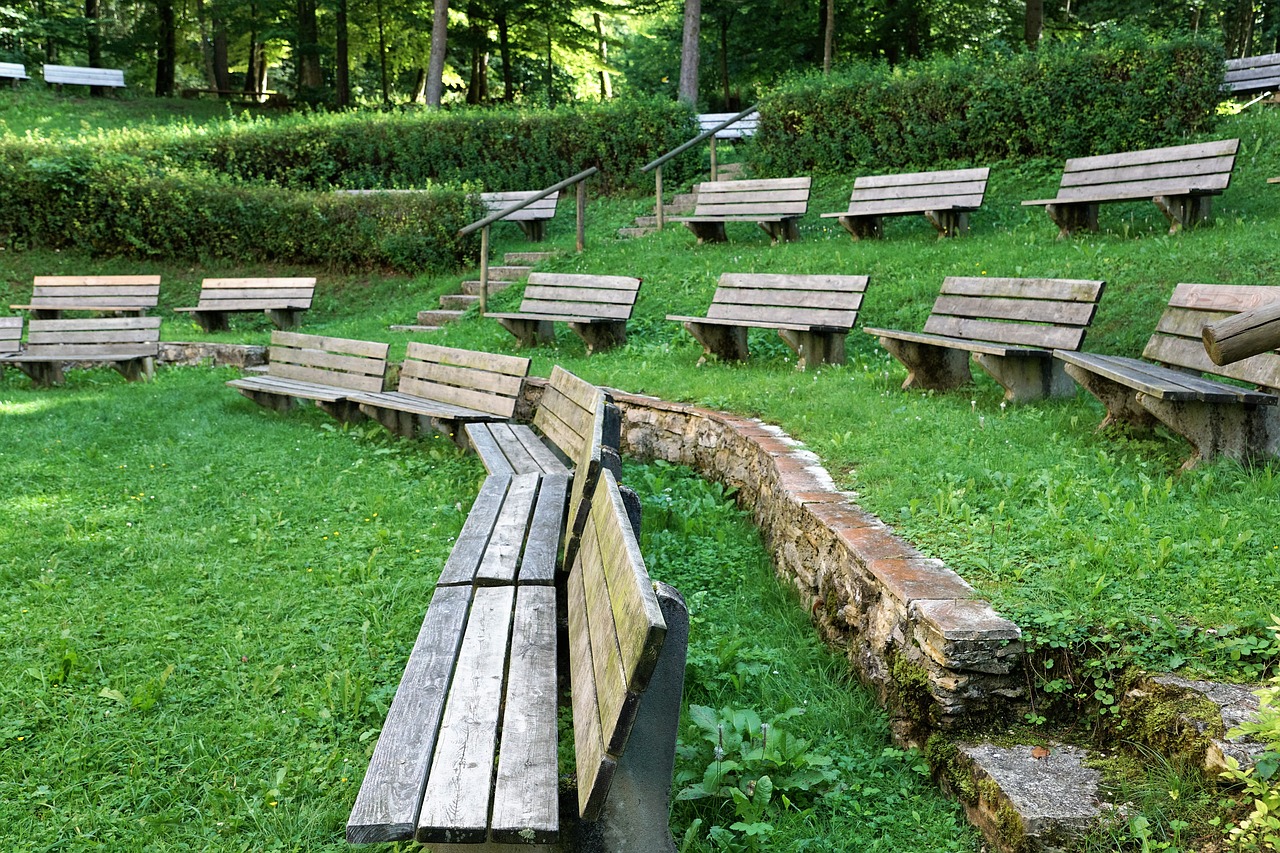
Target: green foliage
column 1117, row 92
column 120, row 204
column 1260, row 829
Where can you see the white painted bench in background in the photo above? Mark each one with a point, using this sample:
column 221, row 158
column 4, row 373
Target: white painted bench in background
column 81, row 76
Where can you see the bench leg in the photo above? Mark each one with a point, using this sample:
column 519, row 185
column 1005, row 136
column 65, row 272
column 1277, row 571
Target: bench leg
column 399, row 423
column 1237, row 432
column 727, row 343
column 708, row 232
column 1026, row 379
column 137, row 369
column 530, row 333
column 637, row 810
column 212, row 321
column 950, row 223
column 930, row 367
column 276, row 402
column 284, row 318
column 600, row 336
column 1121, row 401
column 863, row 227
column 532, row 228
column 1184, row 211
column 343, row 411
column 43, row 374
column 1071, row 218
column 784, row 230
column 814, row 348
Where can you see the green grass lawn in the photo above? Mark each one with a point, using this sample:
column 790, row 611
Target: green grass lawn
column 1096, row 544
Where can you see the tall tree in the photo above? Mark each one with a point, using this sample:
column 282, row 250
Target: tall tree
column 1034, row 23
column 307, row 50
column 435, row 66
column 342, row 57
column 828, row 35
column 689, row 53
column 166, row 49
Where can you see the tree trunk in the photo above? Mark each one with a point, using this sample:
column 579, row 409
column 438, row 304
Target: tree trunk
column 724, row 58
column 382, row 56
column 342, row 58
column 166, row 49
column 606, row 84
column 94, row 39
column 688, row 88
column 1033, row 24
column 550, row 76
column 829, row 37
column 420, row 87
column 477, row 85
column 310, row 77
column 504, row 51
column 435, row 69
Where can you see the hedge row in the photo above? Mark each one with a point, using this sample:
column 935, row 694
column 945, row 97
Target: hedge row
column 499, row 149
column 1117, row 92
column 120, row 205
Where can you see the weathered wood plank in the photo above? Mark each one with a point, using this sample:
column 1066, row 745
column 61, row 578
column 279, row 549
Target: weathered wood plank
column 526, row 796
column 455, row 805
column 817, row 281
column 487, row 448
column 1024, row 288
column 347, row 346
column 730, row 187
column 473, row 539
column 574, row 309
column 510, row 365
column 1154, row 155
column 501, row 557
column 611, row 282
column 546, row 532
column 386, row 808
column 1023, row 310
column 1023, row 334
column 513, row 449
column 542, row 458
column 595, row 768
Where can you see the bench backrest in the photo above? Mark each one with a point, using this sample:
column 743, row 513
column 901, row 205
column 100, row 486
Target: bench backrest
column 603, row 297
column 1177, row 340
column 543, row 208
column 90, row 292
column 1203, row 168
column 14, row 70
column 954, row 189
column 740, row 129
column 1042, row 313
column 10, row 334
column 1252, row 74
column 616, row 631
column 339, row 362
column 80, row 75
column 111, row 338
column 767, row 197
column 830, row 301
column 255, row 294
column 483, row 381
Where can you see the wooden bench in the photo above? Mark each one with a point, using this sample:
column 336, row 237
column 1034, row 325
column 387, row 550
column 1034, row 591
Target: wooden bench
column 271, row 99
column 324, row 370
column 1011, row 326
column 468, row 752
column 282, row 299
column 1252, row 74
column 944, row 198
column 743, row 128
column 1181, row 181
column 10, row 338
column 811, row 313
column 128, row 344
column 531, row 219
column 596, row 308
column 14, row 71
column 775, row 204
column 1218, row 419
column 81, row 76
column 441, row 388
column 103, row 294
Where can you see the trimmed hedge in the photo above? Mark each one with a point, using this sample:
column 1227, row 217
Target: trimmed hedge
column 500, row 149
column 118, row 205
column 1114, row 93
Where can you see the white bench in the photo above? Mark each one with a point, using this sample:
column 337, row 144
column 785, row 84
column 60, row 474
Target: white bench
column 82, row 76
column 740, row 129
column 14, row 71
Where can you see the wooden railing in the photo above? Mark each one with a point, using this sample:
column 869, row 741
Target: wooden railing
column 656, row 165
column 482, row 225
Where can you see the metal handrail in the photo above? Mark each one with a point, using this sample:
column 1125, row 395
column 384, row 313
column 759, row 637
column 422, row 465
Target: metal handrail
column 701, row 137
column 482, row 225
column 507, row 211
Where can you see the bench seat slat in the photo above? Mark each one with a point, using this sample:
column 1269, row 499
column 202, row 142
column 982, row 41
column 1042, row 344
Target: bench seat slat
column 1164, row 382
column 285, row 387
column 541, row 456
column 501, row 559
column 546, row 532
column 320, row 376
column 386, row 809
column 398, row 401
column 468, row 549
column 482, row 441
column 455, row 806
column 526, row 796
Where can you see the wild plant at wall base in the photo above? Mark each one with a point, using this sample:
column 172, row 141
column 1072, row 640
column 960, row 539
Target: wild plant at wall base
column 1260, row 830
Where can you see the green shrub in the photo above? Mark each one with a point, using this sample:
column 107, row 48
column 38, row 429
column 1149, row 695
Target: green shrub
column 115, row 204
column 1117, row 92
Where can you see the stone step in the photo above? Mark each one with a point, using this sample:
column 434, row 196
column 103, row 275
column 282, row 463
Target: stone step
column 636, row 232
column 514, row 258
column 414, row 328
column 438, row 317
column 472, row 288
column 458, row 301
column 509, row 273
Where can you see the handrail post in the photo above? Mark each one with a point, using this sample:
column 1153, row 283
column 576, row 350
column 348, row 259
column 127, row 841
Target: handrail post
column 713, row 159
column 582, row 215
column 657, row 182
column 484, row 270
